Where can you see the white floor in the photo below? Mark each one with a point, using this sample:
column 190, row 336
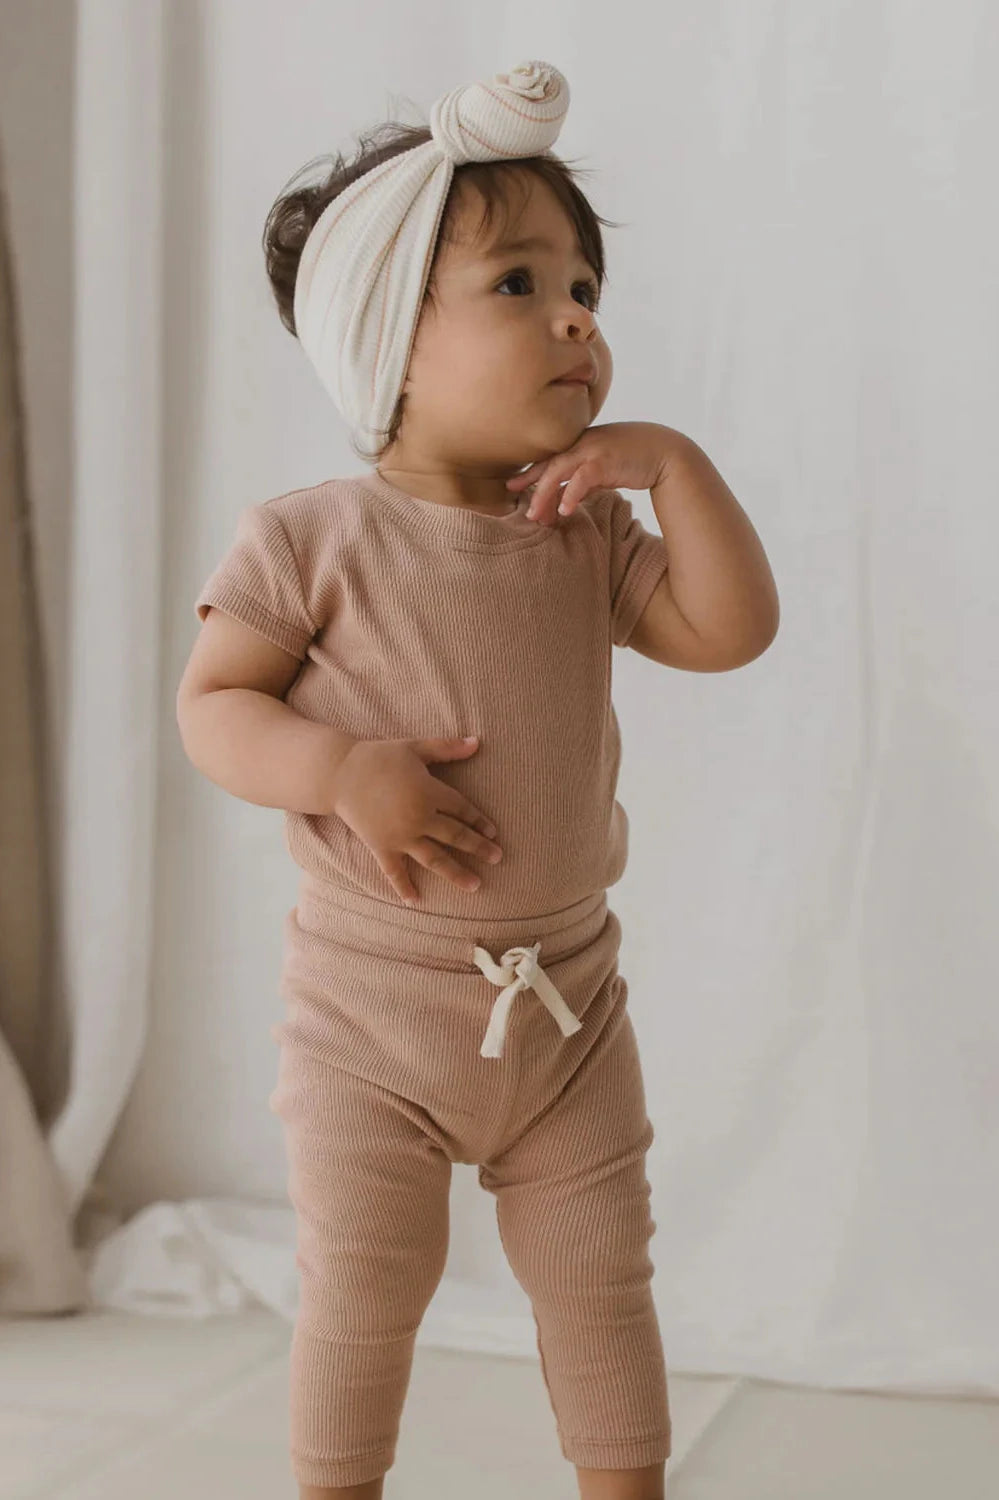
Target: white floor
column 108, row 1406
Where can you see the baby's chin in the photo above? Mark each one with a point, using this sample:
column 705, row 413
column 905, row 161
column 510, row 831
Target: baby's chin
column 549, row 438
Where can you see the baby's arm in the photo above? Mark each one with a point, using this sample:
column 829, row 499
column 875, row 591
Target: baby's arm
column 238, row 732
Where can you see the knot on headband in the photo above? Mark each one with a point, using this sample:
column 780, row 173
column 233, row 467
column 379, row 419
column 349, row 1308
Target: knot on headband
column 365, row 265
column 519, row 113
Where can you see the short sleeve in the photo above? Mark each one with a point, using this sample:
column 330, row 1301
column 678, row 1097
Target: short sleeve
column 638, row 561
column 259, row 583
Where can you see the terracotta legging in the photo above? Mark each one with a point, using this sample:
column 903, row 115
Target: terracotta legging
column 383, row 1084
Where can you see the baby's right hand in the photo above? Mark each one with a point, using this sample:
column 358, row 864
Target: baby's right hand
column 385, row 793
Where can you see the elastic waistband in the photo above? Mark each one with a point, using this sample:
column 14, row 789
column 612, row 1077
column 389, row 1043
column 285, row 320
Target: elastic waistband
column 338, row 913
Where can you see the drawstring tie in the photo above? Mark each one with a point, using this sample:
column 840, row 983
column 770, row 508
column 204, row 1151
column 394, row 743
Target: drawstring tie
column 519, row 970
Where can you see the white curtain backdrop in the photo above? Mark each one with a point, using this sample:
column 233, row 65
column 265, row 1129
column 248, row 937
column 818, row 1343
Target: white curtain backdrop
column 113, row 724
column 806, row 285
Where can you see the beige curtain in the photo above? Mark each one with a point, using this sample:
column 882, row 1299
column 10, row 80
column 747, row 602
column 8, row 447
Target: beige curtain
column 40, row 1272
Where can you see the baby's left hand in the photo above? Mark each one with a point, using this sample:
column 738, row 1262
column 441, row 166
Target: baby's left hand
column 613, row 455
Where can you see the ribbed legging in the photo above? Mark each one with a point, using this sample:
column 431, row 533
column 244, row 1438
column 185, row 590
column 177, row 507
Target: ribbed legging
column 381, row 1087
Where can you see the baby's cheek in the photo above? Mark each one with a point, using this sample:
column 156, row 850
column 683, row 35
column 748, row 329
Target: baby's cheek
column 605, row 361
column 603, row 382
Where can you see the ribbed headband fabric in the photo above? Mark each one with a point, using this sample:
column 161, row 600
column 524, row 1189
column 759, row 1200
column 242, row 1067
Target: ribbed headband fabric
column 365, row 265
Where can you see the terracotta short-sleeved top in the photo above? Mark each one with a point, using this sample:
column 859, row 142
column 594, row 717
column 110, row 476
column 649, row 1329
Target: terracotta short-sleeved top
column 413, row 618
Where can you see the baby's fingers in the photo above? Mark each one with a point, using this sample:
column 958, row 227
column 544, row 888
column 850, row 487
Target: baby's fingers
column 397, row 873
column 453, row 831
column 430, row 854
column 460, row 807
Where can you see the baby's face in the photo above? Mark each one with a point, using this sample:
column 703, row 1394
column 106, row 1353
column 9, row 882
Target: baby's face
column 479, row 383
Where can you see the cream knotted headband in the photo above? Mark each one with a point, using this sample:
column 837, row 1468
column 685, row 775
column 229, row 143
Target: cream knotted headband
column 365, row 265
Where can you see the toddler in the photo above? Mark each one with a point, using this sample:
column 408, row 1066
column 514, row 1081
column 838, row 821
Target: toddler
column 415, row 664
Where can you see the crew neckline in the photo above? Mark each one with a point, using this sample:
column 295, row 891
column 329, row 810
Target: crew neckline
column 468, row 530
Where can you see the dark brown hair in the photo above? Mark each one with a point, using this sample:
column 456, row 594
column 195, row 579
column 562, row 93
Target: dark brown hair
column 297, row 209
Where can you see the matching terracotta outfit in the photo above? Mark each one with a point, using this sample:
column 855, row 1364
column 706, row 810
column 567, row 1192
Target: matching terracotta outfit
column 486, row 1026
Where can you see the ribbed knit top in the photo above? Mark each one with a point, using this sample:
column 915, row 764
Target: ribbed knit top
column 415, row 618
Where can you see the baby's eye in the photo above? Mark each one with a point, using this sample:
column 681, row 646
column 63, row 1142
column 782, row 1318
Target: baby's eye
column 589, row 287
